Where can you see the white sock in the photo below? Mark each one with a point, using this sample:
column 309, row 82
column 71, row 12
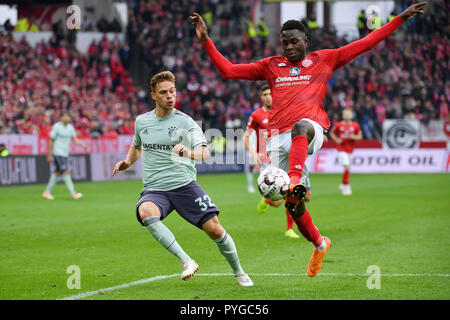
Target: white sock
column 323, row 245
column 165, row 237
column 228, row 249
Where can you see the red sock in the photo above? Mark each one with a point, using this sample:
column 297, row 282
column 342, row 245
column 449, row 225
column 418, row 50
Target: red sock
column 346, row 177
column 297, row 158
column 308, row 229
column 268, row 201
column 290, row 221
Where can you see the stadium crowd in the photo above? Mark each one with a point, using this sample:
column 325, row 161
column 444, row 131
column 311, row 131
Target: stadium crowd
column 406, row 76
column 37, row 84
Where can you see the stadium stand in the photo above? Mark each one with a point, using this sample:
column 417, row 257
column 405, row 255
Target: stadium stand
column 404, row 77
column 36, row 84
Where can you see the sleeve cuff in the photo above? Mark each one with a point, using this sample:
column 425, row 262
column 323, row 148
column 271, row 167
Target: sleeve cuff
column 208, row 44
column 203, row 143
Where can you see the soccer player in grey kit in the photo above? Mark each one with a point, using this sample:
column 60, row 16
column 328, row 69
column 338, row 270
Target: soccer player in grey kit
column 170, row 142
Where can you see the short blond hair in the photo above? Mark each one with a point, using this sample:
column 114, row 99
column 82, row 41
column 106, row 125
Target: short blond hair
column 160, row 77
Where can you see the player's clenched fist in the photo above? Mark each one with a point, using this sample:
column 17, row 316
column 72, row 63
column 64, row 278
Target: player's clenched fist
column 181, row 150
column 120, row 166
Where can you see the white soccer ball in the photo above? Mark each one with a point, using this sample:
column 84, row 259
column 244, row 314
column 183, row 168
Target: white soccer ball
column 273, row 183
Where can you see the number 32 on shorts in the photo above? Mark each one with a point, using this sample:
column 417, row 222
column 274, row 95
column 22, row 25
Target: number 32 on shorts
column 205, row 202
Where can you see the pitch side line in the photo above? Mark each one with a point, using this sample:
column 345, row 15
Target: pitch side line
column 120, row 286
column 139, row 282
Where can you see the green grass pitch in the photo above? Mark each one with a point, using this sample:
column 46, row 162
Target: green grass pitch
column 400, row 223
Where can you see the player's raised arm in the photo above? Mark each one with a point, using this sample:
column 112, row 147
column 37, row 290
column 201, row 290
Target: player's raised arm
column 345, row 54
column 200, row 27
column 228, row 70
column 412, row 11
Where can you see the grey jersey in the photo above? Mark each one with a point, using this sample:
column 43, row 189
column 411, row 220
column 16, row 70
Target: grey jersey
column 163, row 170
column 62, row 135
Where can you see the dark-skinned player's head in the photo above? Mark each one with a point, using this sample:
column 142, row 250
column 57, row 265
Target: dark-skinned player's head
column 294, row 40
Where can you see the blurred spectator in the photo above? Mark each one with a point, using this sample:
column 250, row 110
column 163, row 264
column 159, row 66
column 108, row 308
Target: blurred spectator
column 32, row 25
column 3, row 151
column 22, row 24
column 311, row 22
column 115, row 26
column 263, row 32
column 362, row 23
column 8, row 26
column 37, row 84
column 103, row 24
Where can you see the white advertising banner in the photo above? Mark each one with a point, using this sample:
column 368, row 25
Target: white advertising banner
column 383, row 161
column 102, row 165
column 20, row 144
column 436, row 130
column 124, row 143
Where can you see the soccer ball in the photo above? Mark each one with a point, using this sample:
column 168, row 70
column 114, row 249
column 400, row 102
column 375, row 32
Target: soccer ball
column 273, row 183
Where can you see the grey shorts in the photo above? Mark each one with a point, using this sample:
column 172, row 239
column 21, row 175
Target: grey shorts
column 60, row 163
column 190, row 201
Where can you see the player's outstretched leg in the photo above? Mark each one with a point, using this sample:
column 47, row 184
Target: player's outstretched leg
column 302, row 133
column 228, row 249
column 315, row 263
column 305, row 225
column 150, row 217
column 262, row 208
column 296, row 194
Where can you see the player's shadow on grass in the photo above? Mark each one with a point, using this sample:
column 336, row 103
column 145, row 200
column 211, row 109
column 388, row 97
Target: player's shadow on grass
column 332, row 261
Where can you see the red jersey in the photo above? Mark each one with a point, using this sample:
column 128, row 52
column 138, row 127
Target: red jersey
column 298, row 89
column 343, row 131
column 259, row 121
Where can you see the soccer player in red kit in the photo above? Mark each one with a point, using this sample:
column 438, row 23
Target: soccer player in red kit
column 297, row 119
column 258, row 122
column 345, row 133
